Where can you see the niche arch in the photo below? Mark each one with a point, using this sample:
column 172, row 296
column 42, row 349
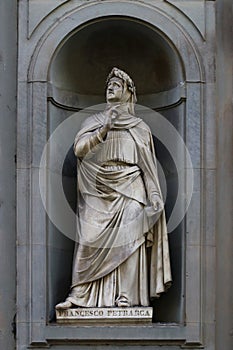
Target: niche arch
column 50, row 41
column 41, row 87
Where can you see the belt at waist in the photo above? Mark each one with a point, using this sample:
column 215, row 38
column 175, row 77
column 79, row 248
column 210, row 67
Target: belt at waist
column 115, row 165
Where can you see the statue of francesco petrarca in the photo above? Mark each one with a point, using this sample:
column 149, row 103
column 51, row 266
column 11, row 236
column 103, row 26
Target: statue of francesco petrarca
column 121, row 257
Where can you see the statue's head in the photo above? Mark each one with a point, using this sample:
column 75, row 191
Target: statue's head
column 120, row 88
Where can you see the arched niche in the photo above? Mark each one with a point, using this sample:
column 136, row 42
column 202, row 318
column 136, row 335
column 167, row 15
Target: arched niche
column 80, row 66
column 76, row 79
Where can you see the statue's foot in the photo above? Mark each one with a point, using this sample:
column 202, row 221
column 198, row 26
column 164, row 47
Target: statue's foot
column 122, row 301
column 65, row 305
column 123, row 304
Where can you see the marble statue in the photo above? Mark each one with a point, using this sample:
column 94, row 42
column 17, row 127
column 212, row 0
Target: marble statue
column 122, row 255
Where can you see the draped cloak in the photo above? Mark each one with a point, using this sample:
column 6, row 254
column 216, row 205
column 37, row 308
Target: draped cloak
column 121, row 197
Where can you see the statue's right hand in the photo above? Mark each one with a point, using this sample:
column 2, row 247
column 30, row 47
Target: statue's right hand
column 111, row 114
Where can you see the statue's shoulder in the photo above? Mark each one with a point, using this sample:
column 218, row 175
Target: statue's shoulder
column 143, row 126
column 93, row 121
column 143, row 133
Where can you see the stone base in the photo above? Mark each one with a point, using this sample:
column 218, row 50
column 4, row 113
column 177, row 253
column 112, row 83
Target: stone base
column 99, row 315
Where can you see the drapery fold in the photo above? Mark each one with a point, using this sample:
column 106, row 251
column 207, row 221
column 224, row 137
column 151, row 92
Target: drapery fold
column 115, row 216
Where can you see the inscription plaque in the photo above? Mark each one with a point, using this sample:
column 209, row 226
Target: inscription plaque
column 100, row 315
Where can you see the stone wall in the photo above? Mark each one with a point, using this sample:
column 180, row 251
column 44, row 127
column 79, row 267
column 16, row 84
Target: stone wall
column 8, row 78
column 224, row 267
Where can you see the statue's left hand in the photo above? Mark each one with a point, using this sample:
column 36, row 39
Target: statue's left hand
column 157, row 202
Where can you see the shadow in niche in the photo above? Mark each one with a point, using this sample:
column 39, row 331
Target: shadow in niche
column 61, row 252
column 60, row 266
column 69, row 178
column 169, row 307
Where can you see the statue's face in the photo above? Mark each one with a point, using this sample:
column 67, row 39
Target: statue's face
column 114, row 90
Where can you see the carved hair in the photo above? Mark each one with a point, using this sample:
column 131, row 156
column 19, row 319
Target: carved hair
column 118, row 73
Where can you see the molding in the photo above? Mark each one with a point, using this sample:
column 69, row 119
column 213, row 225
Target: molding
column 75, row 18
column 195, row 12
column 73, row 101
column 38, row 11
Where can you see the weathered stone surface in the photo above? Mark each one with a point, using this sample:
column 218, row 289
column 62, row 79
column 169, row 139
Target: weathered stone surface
column 224, row 200
column 8, row 73
column 38, row 10
column 195, row 10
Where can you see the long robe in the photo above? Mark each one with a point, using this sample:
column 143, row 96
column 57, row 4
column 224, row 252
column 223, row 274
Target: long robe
column 122, row 255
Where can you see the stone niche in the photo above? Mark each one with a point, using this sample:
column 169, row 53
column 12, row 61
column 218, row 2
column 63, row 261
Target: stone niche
column 77, row 78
